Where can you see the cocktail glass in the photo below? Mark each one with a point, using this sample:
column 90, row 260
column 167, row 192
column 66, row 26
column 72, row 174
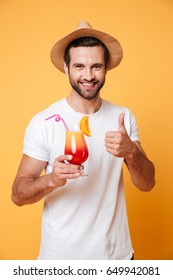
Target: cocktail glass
column 76, row 146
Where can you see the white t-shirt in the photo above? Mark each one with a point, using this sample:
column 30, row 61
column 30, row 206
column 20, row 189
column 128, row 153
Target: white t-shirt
column 86, row 218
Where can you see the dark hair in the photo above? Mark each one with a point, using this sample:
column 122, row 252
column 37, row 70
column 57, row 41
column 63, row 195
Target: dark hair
column 85, row 42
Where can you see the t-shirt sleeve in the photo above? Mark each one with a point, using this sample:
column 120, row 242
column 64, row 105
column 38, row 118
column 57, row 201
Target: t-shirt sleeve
column 35, row 139
column 133, row 133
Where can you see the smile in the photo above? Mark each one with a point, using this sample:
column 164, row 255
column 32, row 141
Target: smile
column 88, row 85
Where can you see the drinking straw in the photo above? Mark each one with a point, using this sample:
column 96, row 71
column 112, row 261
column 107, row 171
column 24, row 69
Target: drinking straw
column 57, row 119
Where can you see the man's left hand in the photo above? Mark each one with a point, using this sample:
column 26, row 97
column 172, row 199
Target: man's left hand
column 118, row 143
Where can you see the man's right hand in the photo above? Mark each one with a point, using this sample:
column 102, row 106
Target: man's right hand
column 62, row 170
column 29, row 187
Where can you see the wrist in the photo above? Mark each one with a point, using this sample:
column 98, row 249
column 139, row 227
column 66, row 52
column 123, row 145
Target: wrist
column 133, row 153
column 54, row 182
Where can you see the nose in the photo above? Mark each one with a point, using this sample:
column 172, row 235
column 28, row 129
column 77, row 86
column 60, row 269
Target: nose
column 88, row 75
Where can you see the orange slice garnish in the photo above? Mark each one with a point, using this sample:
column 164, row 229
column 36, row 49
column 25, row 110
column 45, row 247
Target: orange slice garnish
column 84, row 126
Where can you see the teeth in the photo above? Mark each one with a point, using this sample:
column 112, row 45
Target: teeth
column 86, row 84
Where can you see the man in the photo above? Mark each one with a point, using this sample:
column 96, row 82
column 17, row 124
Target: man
column 83, row 217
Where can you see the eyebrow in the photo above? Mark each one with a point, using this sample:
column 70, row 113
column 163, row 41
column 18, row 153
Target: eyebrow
column 98, row 64
column 94, row 64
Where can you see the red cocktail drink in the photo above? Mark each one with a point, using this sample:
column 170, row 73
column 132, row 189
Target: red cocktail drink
column 76, row 146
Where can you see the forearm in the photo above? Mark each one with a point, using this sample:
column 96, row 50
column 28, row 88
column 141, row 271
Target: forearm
column 141, row 169
column 29, row 187
column 30, row 190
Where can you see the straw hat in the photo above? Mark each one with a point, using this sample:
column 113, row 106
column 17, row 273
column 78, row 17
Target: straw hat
column 84, row 29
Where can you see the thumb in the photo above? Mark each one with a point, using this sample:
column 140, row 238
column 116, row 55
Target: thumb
column 121, row 126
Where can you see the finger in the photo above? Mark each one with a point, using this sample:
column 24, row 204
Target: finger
column 110, row 134
column 65, row 173
column 66, row 165
column 110, row 150
column 62, row 162
column 113, row 135
column 121, row 124
column 109, row 146
column 65, row 177
column 62, row 158
column 70, row 176
column 67, row 169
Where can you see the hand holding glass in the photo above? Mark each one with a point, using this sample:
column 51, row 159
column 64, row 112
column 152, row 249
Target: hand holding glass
column 75, row 144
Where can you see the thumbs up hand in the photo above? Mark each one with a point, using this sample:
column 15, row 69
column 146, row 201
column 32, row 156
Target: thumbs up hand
column 118, row 143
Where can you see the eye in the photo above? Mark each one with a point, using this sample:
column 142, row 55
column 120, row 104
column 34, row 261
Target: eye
column 97, row 66
column 78, row 66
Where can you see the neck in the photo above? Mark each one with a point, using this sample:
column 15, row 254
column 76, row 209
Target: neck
column 82, row 105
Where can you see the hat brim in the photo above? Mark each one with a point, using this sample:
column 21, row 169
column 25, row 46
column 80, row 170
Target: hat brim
column 112, row 44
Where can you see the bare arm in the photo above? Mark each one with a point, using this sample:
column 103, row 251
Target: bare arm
column 141, row 169
column 29, row 187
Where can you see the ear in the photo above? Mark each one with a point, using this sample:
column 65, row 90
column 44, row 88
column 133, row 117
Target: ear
column 65, row 68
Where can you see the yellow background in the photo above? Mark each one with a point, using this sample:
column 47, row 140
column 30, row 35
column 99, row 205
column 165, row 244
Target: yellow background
column 143, row 82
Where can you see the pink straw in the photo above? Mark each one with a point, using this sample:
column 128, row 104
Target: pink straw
column 57, row 119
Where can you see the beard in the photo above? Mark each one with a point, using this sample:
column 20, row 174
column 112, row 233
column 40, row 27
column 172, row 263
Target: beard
column 88, row 93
